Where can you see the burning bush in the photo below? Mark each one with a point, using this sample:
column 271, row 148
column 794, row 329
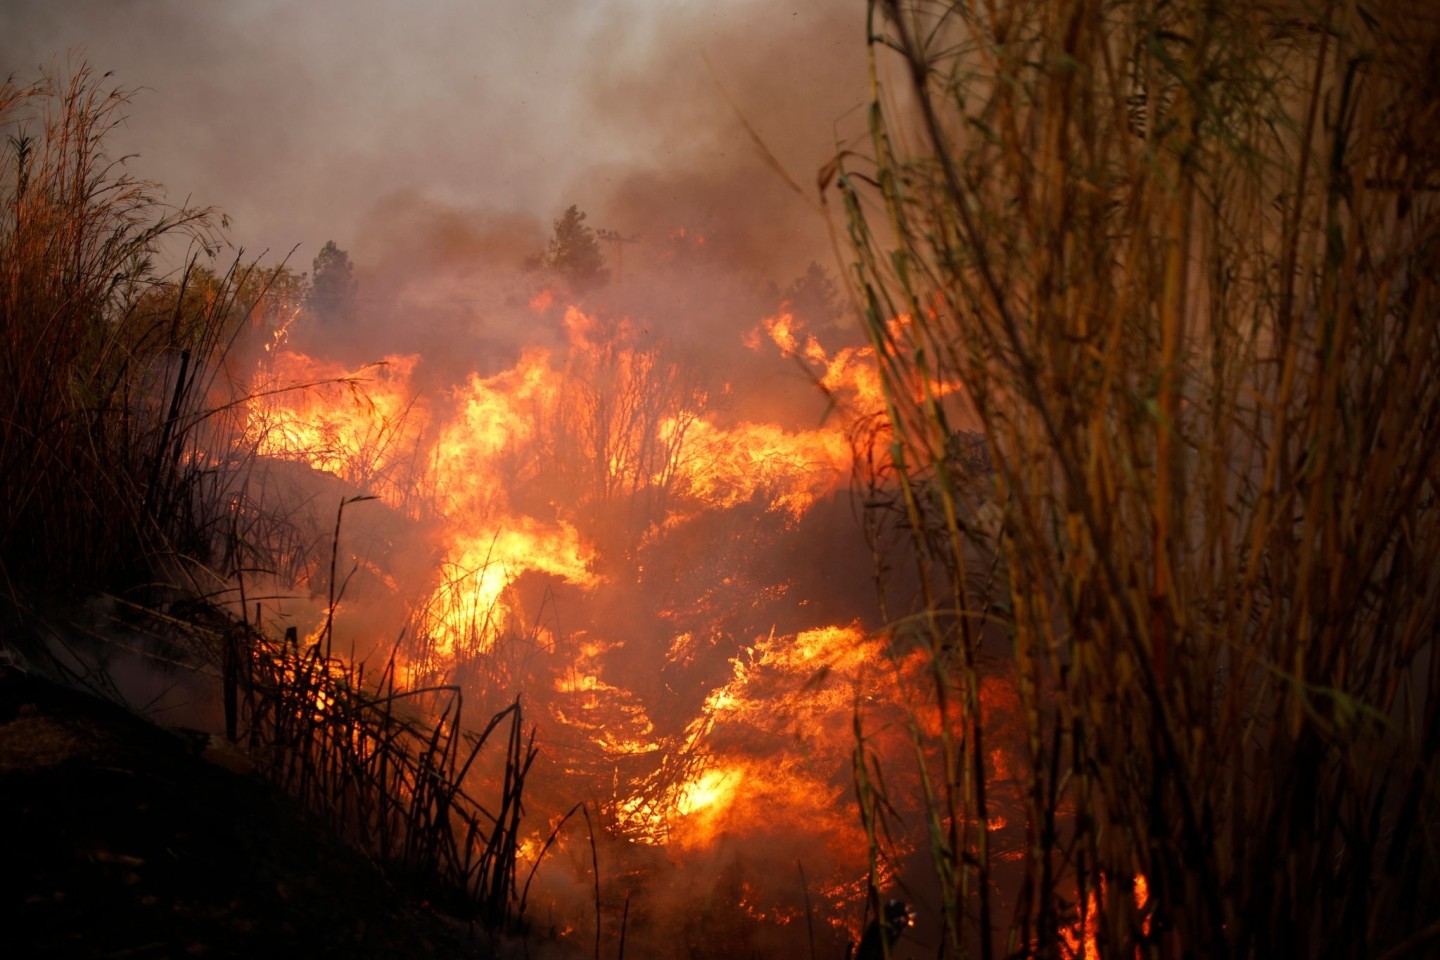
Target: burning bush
column 658, row 579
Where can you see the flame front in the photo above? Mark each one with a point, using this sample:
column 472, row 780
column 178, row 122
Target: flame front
column 697, row 694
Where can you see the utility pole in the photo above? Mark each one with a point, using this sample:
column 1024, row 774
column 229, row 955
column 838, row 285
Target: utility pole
column 614, row 237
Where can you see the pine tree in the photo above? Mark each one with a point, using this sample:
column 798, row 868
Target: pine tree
column 574, row 252
column 332, row 284
column 814, row 297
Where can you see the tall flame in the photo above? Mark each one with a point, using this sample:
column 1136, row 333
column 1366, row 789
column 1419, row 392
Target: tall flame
column 571, row 468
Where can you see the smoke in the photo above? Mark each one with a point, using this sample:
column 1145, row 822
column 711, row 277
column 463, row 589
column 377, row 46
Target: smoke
column 303, row 121
column 437, row 146
column 788, row 76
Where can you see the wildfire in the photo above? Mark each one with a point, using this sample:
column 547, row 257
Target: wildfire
column 566, row 470
column 470, row 605
column 849, row 374
column 359, row 425
column 560, row 434
column 713, row 789
column 1082, row 941
column 789, row 470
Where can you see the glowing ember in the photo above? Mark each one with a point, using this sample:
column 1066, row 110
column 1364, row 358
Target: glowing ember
column 1082, row 941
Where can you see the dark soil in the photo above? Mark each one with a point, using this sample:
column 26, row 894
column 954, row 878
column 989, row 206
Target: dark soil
column 121, row 839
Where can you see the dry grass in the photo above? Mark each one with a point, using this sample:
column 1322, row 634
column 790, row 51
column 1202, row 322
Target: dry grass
column 387, row 769
column 125, row 474
column 109, row 373
column 1182, row 258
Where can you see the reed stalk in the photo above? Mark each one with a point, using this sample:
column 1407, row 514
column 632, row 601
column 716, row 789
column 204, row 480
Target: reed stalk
column 367, row 762
column 1175, row 264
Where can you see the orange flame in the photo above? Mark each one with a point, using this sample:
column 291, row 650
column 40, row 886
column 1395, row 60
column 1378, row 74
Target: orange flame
column 1082, row 941
column 360, row 425
column 519, row 473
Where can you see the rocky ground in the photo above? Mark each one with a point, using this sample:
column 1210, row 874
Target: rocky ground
column 119, row 838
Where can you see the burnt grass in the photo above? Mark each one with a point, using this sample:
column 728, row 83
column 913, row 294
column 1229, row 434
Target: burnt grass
column 125, row 839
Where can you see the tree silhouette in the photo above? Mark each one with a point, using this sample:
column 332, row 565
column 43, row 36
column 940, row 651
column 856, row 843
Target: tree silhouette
column 814, row 297
column 574, row 252
column 332, row 284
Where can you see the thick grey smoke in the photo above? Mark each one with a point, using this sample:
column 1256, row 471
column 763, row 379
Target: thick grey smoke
column 304, row 121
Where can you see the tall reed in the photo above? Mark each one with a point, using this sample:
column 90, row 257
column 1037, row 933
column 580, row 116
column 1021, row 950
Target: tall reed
column 387, row 768
column 1176, row 264
column 104, row 383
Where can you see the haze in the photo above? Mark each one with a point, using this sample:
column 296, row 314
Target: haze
column 302, row 120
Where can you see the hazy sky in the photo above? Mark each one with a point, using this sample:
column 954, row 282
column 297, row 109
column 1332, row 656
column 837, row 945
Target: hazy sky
column 306, row 120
